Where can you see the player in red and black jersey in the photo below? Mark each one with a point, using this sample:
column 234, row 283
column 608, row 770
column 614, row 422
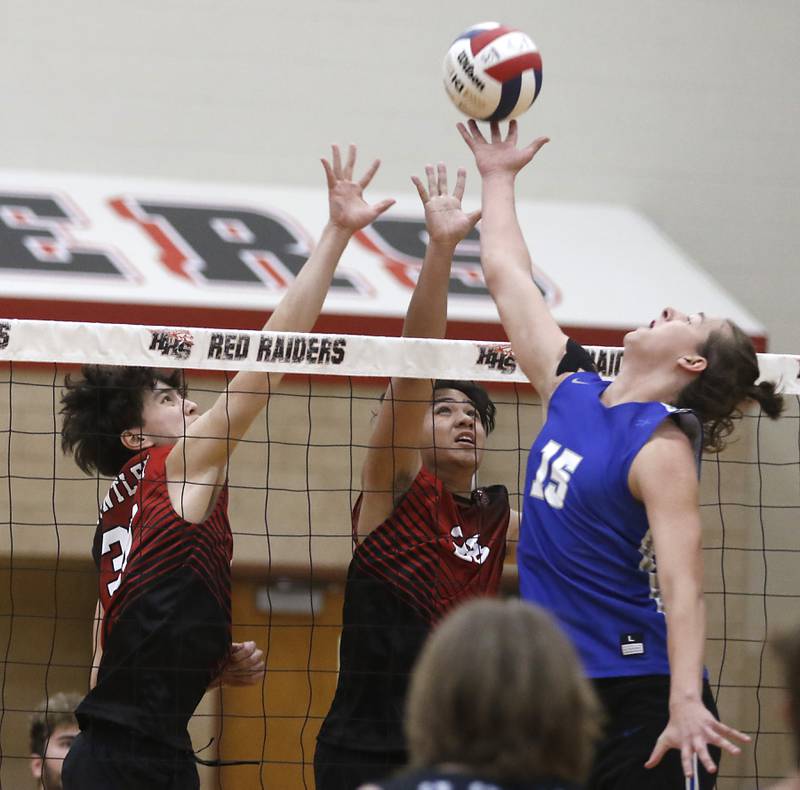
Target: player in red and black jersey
column 425, row 539
column 163, row 544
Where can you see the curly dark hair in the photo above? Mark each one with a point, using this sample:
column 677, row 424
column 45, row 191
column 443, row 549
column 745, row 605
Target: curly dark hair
column 475, row 393
column 717, row 394
column 98, row 407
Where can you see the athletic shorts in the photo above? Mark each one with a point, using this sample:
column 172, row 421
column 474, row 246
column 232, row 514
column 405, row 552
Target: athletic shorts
column 108, row 756
column 339, row 768
column 637, row 711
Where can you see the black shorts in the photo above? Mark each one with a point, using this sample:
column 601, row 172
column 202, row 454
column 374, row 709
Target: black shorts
column 637, row 711
column 108, row 756
column 340, row 768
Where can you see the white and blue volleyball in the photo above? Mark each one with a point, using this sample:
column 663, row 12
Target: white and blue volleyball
column 493, row 72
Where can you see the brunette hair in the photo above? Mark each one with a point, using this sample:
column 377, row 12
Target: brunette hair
column 58, row 711
column 787, row 648
column 498, row 688
column 716, row 395
column 100, row 406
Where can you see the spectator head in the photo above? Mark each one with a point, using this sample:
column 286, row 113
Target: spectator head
column 498, row 689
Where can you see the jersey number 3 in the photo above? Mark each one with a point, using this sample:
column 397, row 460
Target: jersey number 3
column 123, row 538
column 554, row 473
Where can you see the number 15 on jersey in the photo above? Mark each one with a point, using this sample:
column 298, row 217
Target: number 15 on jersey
column 554, row 473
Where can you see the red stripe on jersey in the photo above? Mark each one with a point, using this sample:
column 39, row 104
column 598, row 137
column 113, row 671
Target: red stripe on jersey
column 477, row 43
column 436, row 551
column 513, row 67
column 159, row 542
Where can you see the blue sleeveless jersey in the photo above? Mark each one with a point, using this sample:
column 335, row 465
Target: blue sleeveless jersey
column 585, row 551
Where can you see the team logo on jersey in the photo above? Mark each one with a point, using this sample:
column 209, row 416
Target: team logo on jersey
column 176, row 343
column 470, row 550
column 5, row 334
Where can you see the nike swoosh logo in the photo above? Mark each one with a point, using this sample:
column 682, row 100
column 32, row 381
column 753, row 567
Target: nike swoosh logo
column 578, row 381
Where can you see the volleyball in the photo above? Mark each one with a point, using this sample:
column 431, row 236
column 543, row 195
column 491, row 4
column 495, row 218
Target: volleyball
column 493, row 72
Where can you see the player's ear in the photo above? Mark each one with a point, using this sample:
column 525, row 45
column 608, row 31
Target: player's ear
column 135, row 440
column 693, row 363
column 36, row 766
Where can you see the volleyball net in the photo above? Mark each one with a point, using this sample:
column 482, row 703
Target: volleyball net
column 293, row 482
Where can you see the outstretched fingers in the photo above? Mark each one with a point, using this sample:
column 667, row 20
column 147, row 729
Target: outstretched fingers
column 433, row 185
column 367, row 177
column 511, row 137
column 326, row 166
column 465, row 135
column 698, row 747
column 659, row 750
column 538, row 143
column 421, row 191
column 381, row 206
column 477, row 134
column 441, row 172
column 731, row 732
column 351, row 162
column 461, row 180
column 337, row 161
column 723, row 736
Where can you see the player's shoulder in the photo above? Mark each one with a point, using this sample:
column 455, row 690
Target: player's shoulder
column 670, row 431
column 667, row 457
column 577, row 384
column 680, row 429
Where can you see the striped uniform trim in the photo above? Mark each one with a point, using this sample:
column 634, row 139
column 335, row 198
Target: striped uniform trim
column 162, row 543
column 415, row 552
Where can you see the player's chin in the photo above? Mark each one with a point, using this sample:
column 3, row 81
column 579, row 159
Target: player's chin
column 466, row 455
column 634, row 335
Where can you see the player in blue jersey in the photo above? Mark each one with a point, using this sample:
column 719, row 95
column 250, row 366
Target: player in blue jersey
column 612, row 483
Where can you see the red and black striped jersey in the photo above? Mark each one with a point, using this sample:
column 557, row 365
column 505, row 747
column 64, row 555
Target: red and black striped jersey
column 433, row 552
column 165, row 587
column 435, row 549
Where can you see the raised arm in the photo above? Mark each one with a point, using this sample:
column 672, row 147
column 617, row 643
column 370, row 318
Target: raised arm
column 393, row 458
column 536, row 338
column 663, row 477
column 201, row 457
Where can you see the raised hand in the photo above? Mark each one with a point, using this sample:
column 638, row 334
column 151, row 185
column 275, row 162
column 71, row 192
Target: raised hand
column 690, row 729
column 348, row 209
column 446, row 222
column 244, row 666
column 499, row 156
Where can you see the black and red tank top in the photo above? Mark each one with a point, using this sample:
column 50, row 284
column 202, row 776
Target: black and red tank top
column 165, row 587
column 434, row 551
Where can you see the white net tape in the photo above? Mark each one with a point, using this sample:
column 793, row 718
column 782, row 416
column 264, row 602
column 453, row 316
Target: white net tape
column 285, row 352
